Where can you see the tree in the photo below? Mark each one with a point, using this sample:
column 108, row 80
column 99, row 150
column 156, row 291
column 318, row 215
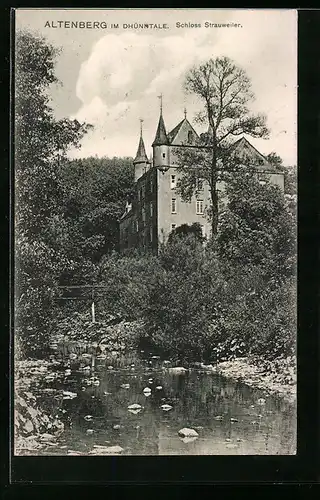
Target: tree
column 257, row 228
column 225, row 92
column 41, row 142
column 186, row 230
column 183, row 299
column 95, row 191
column 275, row 160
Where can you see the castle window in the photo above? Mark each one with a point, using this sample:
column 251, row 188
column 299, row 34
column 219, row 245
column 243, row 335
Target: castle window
column 173, row 226
column 202, row 230
column 190, row 136
column 151, row 208
column 143, row 213
column 137, row 226
column 151, row 185
column 151, row 233
column 163, row 155
column 199, row 207
column 173, row 181
column 173, row 206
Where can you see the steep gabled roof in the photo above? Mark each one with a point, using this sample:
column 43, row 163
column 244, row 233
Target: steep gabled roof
column 161, row 134
column 141, row 155
column 242, row 145
column 184, row 126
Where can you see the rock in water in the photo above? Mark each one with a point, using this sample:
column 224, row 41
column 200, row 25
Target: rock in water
column 147, row 391
column 188, row 439
column 177, row 370
column 69, row 395
column 106, row 450
column 134, row 406
column 188, row 433
column 166, row 407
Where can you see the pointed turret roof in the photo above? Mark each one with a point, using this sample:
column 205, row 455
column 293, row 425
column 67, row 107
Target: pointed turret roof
column 161, row 134
column 141, row 155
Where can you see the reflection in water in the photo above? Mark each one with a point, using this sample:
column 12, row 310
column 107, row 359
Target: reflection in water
column 114, row 409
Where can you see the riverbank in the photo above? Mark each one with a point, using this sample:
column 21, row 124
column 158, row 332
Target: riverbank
column 277, row 378
column 35, row 428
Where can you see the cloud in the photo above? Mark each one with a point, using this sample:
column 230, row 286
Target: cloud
column 124, row 73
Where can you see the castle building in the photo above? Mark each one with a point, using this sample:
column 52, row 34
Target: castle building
column 156, row 208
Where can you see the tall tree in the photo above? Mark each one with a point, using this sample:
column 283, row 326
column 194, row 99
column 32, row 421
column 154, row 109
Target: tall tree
column 95, row 191
column 41, row 142
column 225, row 93
column 257, row 229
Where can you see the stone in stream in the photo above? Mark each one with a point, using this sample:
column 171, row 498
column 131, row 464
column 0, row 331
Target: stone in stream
column 188, row 439
column 177, row 370
column 88, row 418
column 218, row 417
column 232, row 420
column 147, row 391
column 188, row 433
column 90, row 431
column 106, row 450
column 159, row 387
column 134, row 406
column 125, row 386
column 69, row 395
column 166, row 407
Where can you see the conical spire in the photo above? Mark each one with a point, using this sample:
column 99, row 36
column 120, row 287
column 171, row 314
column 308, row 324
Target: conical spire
column 141, row 155
column 161, row 134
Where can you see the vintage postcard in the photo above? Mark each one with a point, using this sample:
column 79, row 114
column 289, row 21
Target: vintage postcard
column 155, row 169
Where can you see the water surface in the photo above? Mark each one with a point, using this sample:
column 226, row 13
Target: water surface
column 229, row 418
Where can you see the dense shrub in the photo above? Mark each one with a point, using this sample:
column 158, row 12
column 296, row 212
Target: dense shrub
column 184, row 298
column 127, row 282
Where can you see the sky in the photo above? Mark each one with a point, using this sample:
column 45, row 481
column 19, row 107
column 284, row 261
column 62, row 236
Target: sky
column 112, row 76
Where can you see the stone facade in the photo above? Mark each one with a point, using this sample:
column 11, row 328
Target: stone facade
column 157, row 208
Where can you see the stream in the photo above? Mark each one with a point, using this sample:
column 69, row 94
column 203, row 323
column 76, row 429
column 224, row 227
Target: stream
column 135, row 404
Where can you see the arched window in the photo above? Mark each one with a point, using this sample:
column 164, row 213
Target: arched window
column 190, row 136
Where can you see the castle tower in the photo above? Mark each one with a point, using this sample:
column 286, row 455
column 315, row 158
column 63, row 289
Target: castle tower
column 141, row 162
column 160, row 144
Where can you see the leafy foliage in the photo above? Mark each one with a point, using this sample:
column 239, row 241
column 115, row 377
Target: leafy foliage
column 95, row 191
column 257, row 227
column 225, row 92
column 41, row 142
column 185, row 230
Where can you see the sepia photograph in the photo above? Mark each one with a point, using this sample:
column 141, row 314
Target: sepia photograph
column 155, row 232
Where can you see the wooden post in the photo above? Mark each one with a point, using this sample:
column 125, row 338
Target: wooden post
column 92, row 307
